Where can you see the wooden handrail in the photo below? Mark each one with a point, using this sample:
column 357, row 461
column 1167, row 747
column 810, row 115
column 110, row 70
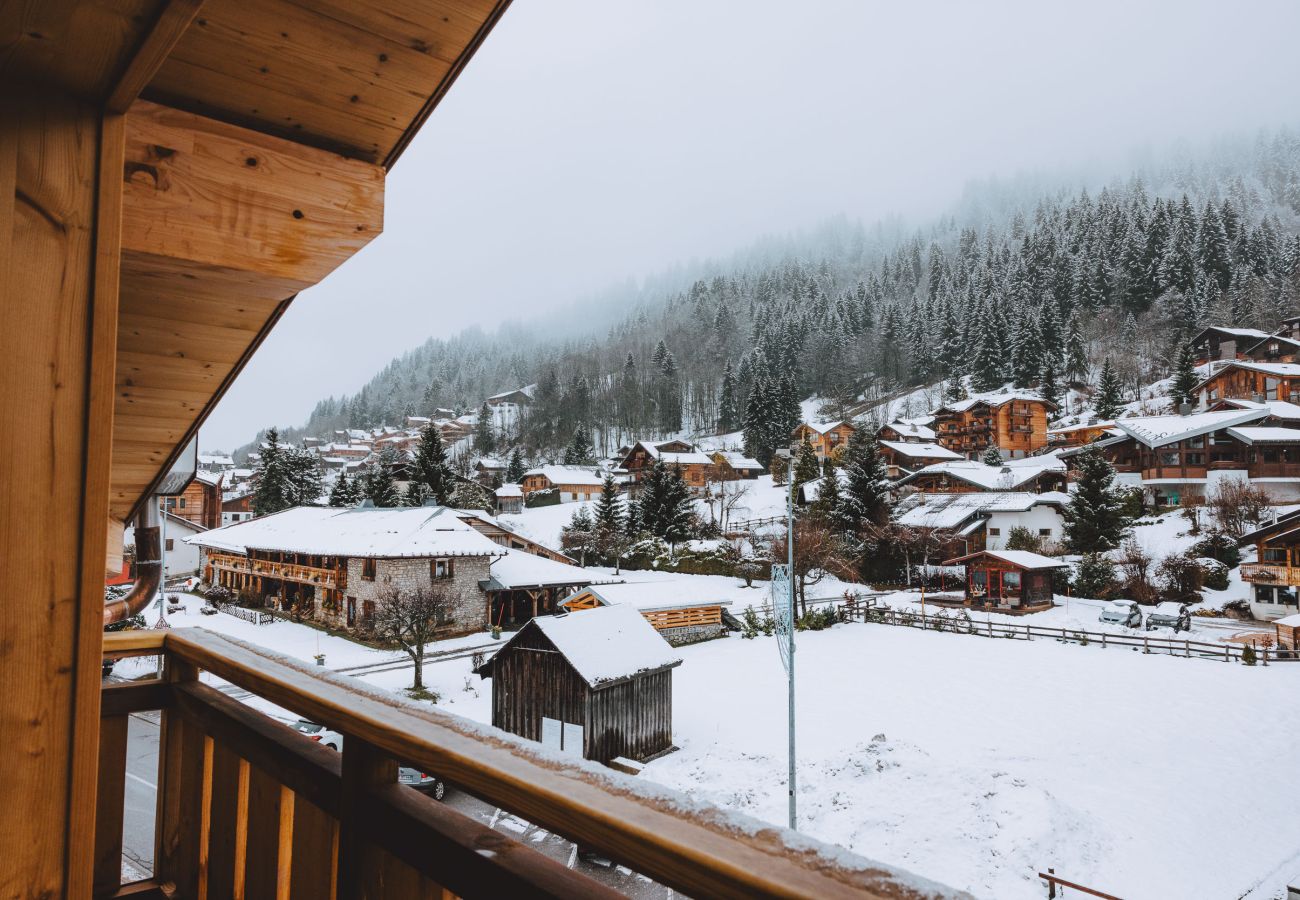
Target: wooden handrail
column 681, row 843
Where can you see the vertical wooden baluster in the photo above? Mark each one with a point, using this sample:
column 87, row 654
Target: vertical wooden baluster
column 205, row 817
column 241, row 831
column 109, row 804
column 364, row 768
column 284, row 858
column 180, row 788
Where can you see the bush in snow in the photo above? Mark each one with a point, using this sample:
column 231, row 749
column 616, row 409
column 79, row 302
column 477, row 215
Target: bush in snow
column 1021, row 538
column 218, row 594
column 1095, row 577
column 1214, row 574
column 1217, row 545
column 1238, row 505
column 1136, row 564
column 1248, row 654
column 749, row 624
column 547, row 497
column 1181, row 578
column 747, row 570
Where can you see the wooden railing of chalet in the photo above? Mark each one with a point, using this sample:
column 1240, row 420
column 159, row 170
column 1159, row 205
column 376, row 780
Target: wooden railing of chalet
column 1270, row 573
column 284, row 571
column 248, row 807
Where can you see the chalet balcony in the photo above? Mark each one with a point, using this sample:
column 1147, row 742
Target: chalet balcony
column 1157, row 473
column 282, row 571
column 1270, row 573
column 248, row 806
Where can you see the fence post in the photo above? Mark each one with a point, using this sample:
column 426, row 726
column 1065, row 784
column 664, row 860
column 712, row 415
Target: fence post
column 989, row 623
column 1265, row 656
column 1103, row 640
column 1028, row 636
column 1146, row 645
column 1227, row 654
column 1051, row 885
column 1187, row 649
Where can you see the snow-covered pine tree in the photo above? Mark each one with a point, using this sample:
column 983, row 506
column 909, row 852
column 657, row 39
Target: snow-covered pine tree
column 865, row 497
column 806, row 467
column 579, row 451
column 1184, row 381
column 1094, row 519
column 379, row 481
column 484, row 437
column 430, row 466
column 416, row 493
column 1076, row 352
column 346, row 492
column 1109, row 402
column 1048, row 387
column 728, row 417
column 609, row 507
column 272, row 488
column 992, row 456
column 515, row 467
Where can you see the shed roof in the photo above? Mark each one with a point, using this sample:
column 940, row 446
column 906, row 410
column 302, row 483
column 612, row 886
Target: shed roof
column 921, row 431
column 1291, row 621
column 1021, row 559
column 519, row 569
column 951, row 510
column 650, row 595
column 587, row 475
column 1266, row 434
column 1008, row 476
column 920, row 450
column 608, row 644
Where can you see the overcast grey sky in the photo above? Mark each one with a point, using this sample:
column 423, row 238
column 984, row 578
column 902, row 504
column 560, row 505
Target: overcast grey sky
column 590, row 141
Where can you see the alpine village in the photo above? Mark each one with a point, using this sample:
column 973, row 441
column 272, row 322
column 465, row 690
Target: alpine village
column 1015, row 490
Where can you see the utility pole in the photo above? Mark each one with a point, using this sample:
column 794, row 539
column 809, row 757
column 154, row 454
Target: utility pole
column 783, row 607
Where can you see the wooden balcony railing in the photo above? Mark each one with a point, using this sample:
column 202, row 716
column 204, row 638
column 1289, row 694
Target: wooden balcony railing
column 315, row 575
column 248, row 807
column 1270, row 573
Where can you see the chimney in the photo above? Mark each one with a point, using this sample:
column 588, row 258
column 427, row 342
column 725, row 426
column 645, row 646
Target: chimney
column 1184, row 409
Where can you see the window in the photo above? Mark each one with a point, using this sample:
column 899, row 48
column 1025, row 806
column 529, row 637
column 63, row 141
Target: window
column 994, row 532
column 1011, row 581
column 170, row 544
column 1273, row 555
column 1196, row 442
column 443, row 568
column 1044, row 532
column 1169, row 459
column 1195, row 459
column 182, row 503
column 367, row 570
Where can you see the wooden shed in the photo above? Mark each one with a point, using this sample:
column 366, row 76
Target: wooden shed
column 596, row 684
column 1016, row 581
column 1288, row 633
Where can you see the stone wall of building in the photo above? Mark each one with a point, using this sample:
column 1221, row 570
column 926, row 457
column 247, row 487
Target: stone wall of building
column 469, row 605
column 692, row 634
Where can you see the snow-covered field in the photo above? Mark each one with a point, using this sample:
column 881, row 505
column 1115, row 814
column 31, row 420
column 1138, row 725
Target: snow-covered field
column 1141, row 776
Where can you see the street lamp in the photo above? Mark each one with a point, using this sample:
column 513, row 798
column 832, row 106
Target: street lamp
column 785, row 623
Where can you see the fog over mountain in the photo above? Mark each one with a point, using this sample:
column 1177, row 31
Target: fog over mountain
column 717, row 138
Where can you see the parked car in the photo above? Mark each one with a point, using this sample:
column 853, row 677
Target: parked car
column 1170, row 615
column 1122, row 612
column 320, row 733
column 429, row 785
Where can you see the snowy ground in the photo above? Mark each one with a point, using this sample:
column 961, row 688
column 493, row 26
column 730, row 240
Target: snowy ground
column 1000, row 758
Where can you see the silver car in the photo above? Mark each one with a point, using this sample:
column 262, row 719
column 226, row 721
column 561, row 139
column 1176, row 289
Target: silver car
column 1122, row 612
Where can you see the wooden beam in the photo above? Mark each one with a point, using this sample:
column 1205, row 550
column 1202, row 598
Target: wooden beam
column 173, row 19
column 204, row 192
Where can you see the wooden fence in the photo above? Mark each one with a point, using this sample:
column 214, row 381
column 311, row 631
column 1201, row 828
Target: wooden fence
column 962, row 623
column 256, row 616
column 751, row 524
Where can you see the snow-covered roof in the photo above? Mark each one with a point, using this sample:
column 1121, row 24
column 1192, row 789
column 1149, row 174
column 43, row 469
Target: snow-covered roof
column 569, row 474
column 1008, row 476
column 1290, row 370
column 992, row 398
column 1292, row 620
column 184, row 524
column 209, row 478
column 1082, row 426
column 1277, row 409
column 521, row 569
column 649, row 595
column 913, row 429
column 526, row 390
column 920, row 450
column 951, row 510
column 509, row 490
column 738, row 460
column 216, row 459
column 1266, row 434
column 686, row 459
column 489, row 462
column 1156, row 431
column 1023, row 559
column 1239, row 332
column 422, row 531
column 823, row 427
column 607, row 644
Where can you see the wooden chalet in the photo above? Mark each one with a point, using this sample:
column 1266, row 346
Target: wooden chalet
column 905, row 457
column 1015, row 422
column 1249, row 380
column 513, row 398
column 641, row 455
column 1287, row 632
column 1176, row 458
column 697, row 469
column 522, row 586
column 236, row 509
column 173, row 174
column 1282, row 347
column 1036, row 474
column 1014, row 581
column 1079, row 434
column 732, row 466
column 912, row 431
column 200, row 502
column 503, row 535
column 1274, row 577
column 1220, row 343
column 682, row 614
column 825, row 437
column 596, row 684
column 573, row 484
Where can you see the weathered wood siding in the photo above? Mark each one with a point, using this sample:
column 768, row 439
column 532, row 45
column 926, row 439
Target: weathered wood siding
column 632, row 718
column 531, row 679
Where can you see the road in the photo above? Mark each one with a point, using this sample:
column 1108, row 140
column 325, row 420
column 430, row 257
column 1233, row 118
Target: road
column 141, row 795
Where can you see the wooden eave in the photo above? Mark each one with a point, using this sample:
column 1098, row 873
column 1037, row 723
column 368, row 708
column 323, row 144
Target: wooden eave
column 255, row 138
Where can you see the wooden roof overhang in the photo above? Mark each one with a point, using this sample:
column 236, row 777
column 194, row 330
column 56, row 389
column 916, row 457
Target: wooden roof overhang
column 253, row 140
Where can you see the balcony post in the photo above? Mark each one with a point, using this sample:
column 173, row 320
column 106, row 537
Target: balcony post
column 184, row 793
column 365, row 768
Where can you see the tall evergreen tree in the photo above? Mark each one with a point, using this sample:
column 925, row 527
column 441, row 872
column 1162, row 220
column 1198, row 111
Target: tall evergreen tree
column 864, row 499
column 430, row 466
column 515, row 468
column 380, row 482
column 346, row 492
column 416, row 493
column 1181, row 386
column 1094, row 519
column 485, row 440
column 609, row 507
column 1048, row 387
column 1109, row 402
column 728, row 417
column 992, row 456
column 579, row 452
column 806, row 466
column 272, row 490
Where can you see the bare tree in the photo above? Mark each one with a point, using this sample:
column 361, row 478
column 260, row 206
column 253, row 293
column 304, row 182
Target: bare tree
column 818, row 552
column 1238, row 505
column 728, row 501
column 1136, row 563
column 410, row 618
